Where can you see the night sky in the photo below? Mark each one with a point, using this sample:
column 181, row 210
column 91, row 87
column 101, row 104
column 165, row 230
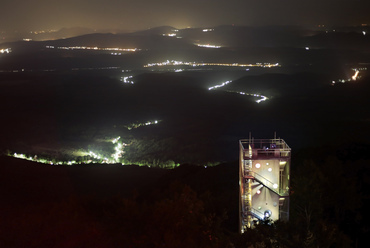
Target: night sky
column 141, row 14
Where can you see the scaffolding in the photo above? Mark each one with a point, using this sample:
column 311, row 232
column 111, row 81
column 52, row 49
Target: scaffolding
column 264, row 180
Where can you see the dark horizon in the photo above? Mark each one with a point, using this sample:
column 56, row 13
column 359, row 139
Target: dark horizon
column 97, row 14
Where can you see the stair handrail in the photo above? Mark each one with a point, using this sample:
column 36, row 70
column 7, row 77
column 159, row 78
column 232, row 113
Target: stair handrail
column 254, row 212
column 267, row 183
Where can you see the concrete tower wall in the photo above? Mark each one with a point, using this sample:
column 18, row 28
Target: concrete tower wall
column 264, row 181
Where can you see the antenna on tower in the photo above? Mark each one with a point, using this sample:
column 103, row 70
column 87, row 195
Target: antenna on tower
column 275, row 135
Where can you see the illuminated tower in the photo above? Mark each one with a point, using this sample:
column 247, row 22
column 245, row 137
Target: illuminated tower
column 264, row 171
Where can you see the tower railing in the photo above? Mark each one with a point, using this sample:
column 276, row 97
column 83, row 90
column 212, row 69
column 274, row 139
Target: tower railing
column 265, row 144
column 265, row 148
column 255, row 213
column 265, row 182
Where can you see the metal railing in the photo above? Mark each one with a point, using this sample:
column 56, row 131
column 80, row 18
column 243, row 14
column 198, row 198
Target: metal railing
column 267, row 183
column 265, row 148
column 265, row 144
column 255, row 213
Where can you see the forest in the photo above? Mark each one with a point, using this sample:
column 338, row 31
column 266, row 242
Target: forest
column 189, row 206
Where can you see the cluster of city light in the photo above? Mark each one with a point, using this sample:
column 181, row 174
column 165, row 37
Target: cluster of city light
column 119, row 149
column 41, row 160
column 170, row 35
column 127, row 80
column 95, row 48
column 136, row 125
column 6, row 50
column 114, row 141
column 94, row 155
column 96, row 158
column 195, row 64
column 208, row 30
column 14, row 71
column 43, row 31
column 208, row 46
column 354, row 77
column 92, row 68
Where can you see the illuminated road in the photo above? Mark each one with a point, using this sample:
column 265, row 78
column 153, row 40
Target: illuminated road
column 262, row 97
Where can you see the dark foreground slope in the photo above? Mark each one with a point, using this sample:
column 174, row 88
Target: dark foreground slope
column 110, row 206
column 190, row 206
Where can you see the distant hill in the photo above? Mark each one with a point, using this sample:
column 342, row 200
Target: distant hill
column 156, row 31
column 226, row 36
column 290, row 46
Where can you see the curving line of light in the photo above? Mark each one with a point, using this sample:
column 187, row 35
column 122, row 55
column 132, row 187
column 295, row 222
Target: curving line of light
column 127, row 80
column 219, row 85
column 262, row 97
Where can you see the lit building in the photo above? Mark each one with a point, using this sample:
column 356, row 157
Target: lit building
column 264, row 171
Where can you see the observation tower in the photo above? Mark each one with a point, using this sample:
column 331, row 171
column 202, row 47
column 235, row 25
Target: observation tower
column 264, row 180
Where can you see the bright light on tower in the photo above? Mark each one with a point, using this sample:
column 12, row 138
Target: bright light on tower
column 267, row 213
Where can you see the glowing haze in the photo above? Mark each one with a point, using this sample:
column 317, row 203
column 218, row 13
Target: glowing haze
column 141, row 14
